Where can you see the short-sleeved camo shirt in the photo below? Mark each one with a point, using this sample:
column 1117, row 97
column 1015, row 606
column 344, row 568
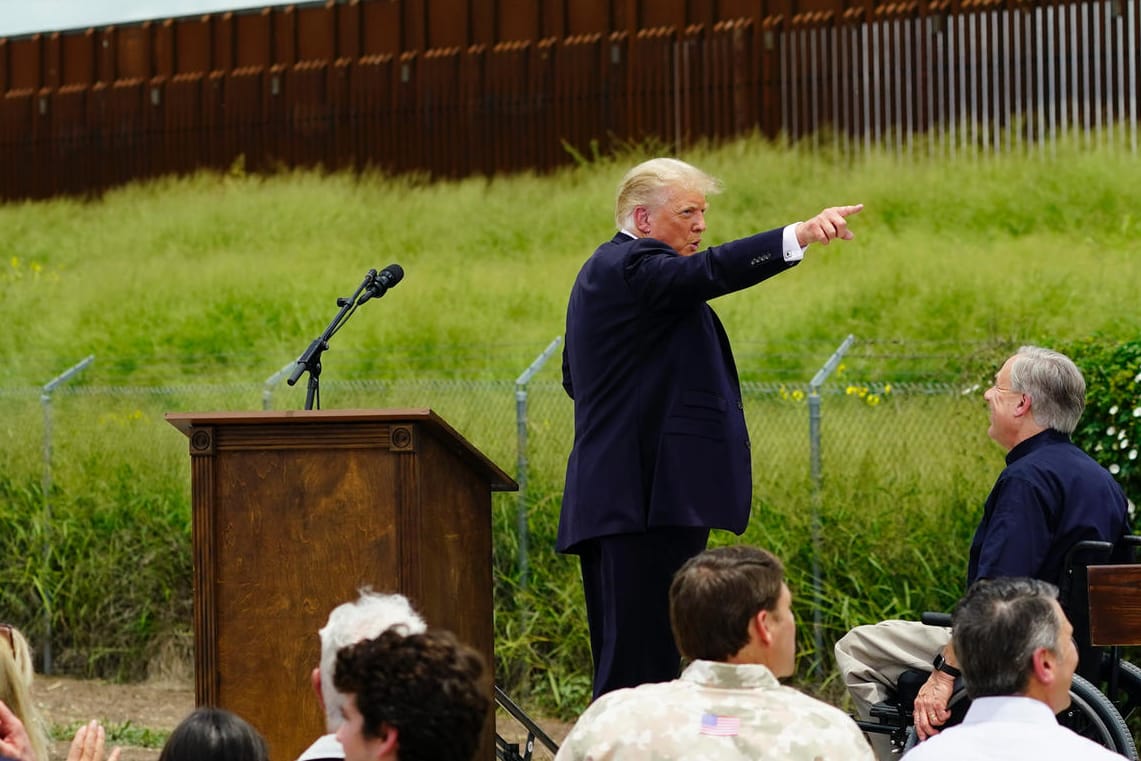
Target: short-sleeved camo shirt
column 718, row 712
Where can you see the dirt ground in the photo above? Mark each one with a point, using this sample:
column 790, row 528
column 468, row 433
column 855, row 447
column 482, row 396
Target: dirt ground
column 161, row 705
column 150, row 705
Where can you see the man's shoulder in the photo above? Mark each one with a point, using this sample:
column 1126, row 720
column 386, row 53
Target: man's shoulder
column 325, row 748
column 1046, row 742
column 802, row 704
column 789, row 707
column 1053, row 459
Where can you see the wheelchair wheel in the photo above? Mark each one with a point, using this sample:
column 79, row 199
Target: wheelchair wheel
column 1128, row 696
column 1092, row 715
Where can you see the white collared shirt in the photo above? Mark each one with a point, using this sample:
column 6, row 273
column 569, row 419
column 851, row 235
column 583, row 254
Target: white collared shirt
column 326, row 746
column 1009, row 729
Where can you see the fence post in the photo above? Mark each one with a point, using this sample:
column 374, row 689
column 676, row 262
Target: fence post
column 45, row 587
column 521, row 463
column 271, row 383
column 817, row 497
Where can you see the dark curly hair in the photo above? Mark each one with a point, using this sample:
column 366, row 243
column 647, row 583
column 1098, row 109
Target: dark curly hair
column 428, row 686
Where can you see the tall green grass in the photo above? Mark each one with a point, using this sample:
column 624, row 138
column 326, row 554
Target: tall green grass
column 223, row 279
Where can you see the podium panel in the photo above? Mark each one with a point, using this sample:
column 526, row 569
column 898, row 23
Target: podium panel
column 293, row 512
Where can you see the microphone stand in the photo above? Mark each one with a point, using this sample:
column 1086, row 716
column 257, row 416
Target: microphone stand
column 310, row 359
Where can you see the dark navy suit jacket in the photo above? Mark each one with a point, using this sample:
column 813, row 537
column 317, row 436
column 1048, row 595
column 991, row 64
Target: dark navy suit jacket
column 660, row 437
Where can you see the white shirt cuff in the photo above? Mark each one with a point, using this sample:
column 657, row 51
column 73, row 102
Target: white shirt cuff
column 792, row 250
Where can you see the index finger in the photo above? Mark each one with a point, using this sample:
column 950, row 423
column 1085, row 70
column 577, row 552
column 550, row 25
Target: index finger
column 845, row 211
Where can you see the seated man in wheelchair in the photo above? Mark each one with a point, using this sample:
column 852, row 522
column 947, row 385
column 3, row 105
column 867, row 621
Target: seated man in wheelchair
column 1050, row 496
column 1018, row 658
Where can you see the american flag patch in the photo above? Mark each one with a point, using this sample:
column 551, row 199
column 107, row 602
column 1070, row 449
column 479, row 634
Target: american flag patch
column 719, row 726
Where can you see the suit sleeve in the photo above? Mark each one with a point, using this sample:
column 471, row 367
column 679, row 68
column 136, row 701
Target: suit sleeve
column 663, row 280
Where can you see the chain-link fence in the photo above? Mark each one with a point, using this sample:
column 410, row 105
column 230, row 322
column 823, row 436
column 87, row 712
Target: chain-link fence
column 837, row 458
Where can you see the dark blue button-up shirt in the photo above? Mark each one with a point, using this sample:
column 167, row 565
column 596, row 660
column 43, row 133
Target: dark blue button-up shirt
column 1050, row 496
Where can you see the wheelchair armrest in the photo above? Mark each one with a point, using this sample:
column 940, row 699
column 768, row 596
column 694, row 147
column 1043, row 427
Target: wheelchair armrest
column 936, row 618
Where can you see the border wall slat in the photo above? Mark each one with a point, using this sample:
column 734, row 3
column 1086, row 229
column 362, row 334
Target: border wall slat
column 182, row 126
column 71, row 140
column 25, row 63
column 316, row 33
column 407, row 136
column 192, row 45
column 133, row 52
column 51, row 60
column 163, row 49
column 17, row 139
column 348, row 30
column 224, row 39
column 382, row 29
column 254, row 40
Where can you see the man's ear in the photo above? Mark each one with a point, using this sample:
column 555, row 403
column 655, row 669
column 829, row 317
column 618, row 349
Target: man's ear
column 1045, row 664
column 642, row 220
column 388, row 745
column 761, row 623
column 315, row 679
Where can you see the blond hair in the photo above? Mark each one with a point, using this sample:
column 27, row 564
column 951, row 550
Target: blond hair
column 646, row 185
column 16, row 676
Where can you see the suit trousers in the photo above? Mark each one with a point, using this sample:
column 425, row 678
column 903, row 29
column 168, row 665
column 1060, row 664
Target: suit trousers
column 626, row 581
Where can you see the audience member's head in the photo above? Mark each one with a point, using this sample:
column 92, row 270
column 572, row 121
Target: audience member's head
column 731, row 604
column 351, row 622
column 416, row 697
column 16, row 676
column 1012, row 638
column 214, row 734
column 1036, row 389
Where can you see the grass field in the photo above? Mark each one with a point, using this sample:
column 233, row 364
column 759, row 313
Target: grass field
column 180, row 286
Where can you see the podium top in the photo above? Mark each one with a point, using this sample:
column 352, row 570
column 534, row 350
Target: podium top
column 497, row 479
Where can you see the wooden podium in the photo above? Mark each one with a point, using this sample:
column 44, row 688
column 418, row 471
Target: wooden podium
column 293, row 512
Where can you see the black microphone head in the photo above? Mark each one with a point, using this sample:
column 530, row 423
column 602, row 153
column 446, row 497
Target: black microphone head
column 391, row 275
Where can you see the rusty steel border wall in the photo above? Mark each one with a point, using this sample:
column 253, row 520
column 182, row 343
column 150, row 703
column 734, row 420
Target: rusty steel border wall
column 370, row 84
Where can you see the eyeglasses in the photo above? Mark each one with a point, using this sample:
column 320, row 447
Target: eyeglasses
column 997, row 387
column 6, row 630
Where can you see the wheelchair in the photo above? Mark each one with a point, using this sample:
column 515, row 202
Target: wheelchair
column 1102, row 598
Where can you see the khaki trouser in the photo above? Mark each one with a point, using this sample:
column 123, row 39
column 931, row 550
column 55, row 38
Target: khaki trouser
column 872, row 657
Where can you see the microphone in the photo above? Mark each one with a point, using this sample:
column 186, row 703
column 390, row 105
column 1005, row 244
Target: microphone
column 387, row 278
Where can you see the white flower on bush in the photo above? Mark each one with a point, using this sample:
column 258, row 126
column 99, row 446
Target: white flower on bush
column 1110, row 431
column 1132, row 454
column 1123, row 444
column 1114, row 468
column 1113, row 410
column 1137, row 412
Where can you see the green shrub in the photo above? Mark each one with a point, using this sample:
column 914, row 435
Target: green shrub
column 1110, row 428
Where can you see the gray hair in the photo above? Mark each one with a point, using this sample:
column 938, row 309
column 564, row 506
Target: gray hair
column 645, row 185
column 1054, row 384
column 352, row 622
column 996, row 629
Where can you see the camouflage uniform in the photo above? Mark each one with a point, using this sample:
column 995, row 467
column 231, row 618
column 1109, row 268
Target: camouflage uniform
column 714, row 711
